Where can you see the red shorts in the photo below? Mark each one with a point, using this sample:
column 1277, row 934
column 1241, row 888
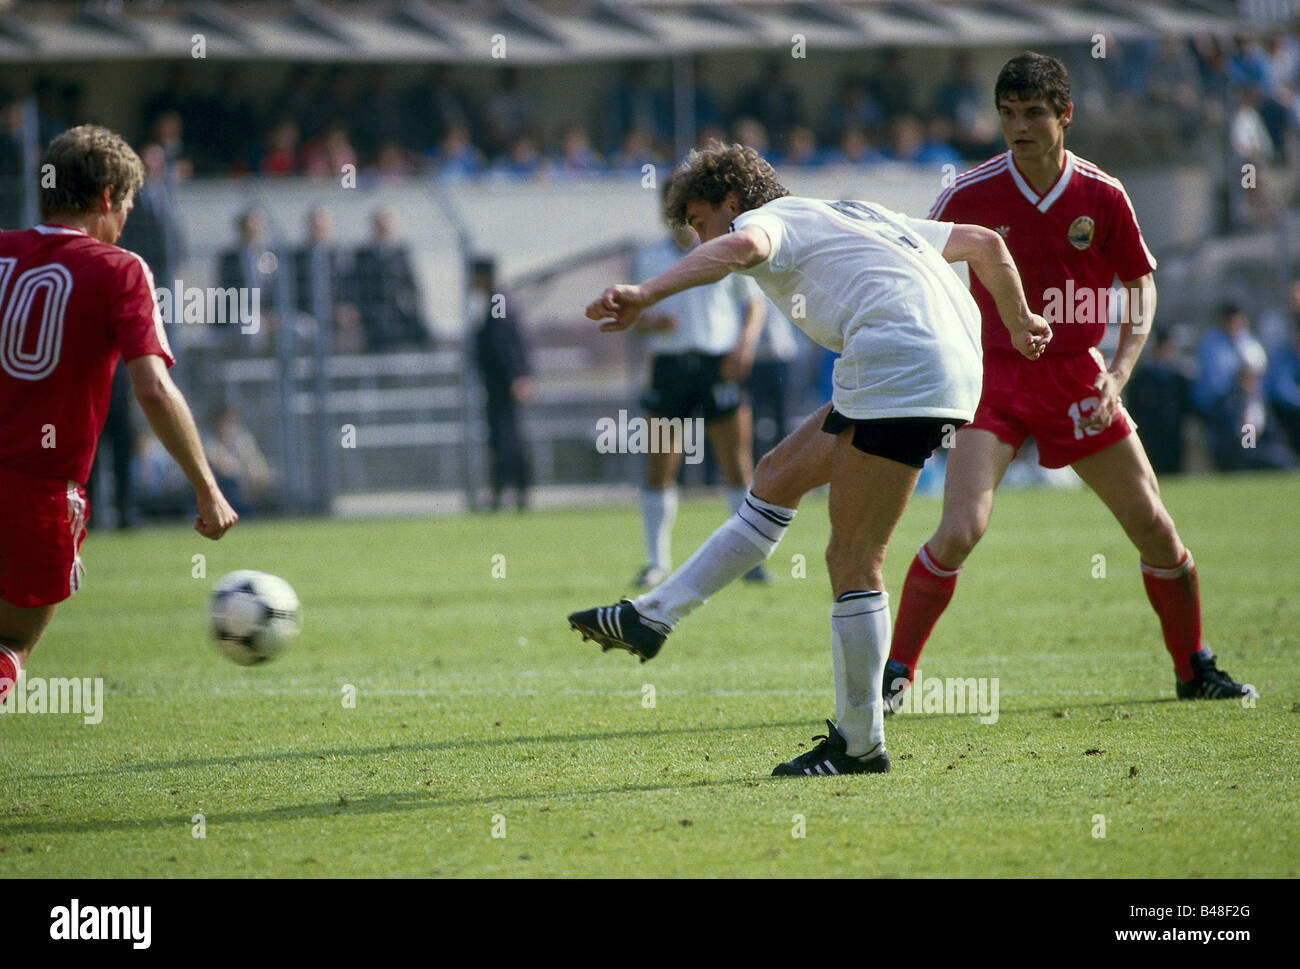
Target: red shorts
column 1048, row 399
column 41, row 528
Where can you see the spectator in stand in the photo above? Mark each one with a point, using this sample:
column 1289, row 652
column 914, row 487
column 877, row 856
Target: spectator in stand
column 249, row 266
column 509, row 113
column 960, row 101
column 637, row 104
column 501, row 355
column 304, row 98
column 909, row 143
column 457, row 157
column 326, row 155
column 12, row 168
column 1243, row 433
column 801, row 148
column 154, row 229
column 524, row 161
column 392, row 163
column 856, row 148
column 324, row 273
column 1159, row 398
column 772, row 101
column 168, row 133
column 432, row 109
column 1175, row 86
column 379, row 118
column 752, row 133
column 236, row 123
column 853, row 107
column 280, row 152
column 1282, row 384
column 387, row 294
column 237, row 462
column 576, row 155
column 893, row 89
column 1224, row 352
column 1251, row 145
column 638, row 150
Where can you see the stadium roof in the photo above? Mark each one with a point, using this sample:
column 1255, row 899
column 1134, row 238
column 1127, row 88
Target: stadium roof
column 559, row 31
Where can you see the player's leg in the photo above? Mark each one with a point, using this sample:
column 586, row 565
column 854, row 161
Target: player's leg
column 1122, row 477
column 789, row 471
column 868, row 495
column 975, row 466
column 731, row 437
column 659, row 509
column 20, row 631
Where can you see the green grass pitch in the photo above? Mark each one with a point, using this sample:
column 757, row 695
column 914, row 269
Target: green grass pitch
column 486, row 740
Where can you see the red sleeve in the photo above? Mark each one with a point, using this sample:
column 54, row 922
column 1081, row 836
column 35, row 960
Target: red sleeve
column 135, row 318
column 1125, row 248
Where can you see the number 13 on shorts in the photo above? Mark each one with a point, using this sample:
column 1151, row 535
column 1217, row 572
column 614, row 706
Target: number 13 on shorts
column 1081, row 411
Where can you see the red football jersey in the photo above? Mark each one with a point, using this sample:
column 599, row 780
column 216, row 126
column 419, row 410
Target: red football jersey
column 1069, row 244
column 69, row 307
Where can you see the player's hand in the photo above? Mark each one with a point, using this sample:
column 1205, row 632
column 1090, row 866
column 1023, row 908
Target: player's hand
column 736, row 365
column 215, row 516
column 1032, row 338
column 620, row 305
column 1108, row 388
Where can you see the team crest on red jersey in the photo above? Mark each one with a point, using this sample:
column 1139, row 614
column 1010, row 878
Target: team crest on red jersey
column 1081, row 230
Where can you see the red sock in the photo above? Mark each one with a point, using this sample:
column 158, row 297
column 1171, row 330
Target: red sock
column 1176, row 598
column 10, row 667
column 926, row 593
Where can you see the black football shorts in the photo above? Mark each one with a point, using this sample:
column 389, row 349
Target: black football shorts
column 907, row 440
column 687, row 384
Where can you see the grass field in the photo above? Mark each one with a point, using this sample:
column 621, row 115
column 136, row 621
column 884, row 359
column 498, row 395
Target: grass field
column 477, row 709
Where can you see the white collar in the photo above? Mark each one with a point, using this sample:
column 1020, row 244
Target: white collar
column 1044, row 202
column 46, row 229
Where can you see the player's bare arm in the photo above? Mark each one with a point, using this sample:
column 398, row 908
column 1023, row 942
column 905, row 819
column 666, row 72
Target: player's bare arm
column 737, row 364
column 1140, row 312
column 987, row 255
column 708, row 263
column 171, row 420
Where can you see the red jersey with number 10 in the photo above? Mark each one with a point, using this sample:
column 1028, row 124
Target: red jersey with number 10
column 70, row 305
column 1069, row 244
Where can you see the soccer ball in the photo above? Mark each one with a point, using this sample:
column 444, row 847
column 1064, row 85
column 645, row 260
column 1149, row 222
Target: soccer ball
column 254, row 616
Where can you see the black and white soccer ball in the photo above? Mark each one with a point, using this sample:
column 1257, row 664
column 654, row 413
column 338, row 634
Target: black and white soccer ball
column 254, row 616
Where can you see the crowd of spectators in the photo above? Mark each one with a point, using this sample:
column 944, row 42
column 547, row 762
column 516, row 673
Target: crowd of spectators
column 324, row 118
column 1241, row 387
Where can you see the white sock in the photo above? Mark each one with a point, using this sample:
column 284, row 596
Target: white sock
column 744, row 540
column 658, row 512
column 859, row 649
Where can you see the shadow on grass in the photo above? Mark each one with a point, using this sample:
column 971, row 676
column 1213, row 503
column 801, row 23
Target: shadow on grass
column 379, row 804
column 339, row 752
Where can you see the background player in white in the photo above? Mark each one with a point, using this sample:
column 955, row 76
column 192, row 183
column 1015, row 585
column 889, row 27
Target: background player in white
column 72, row 303
column 876, row 289
column 702, row 342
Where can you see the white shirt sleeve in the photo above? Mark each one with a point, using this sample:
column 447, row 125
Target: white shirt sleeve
column 772, row 225
column 935, row 233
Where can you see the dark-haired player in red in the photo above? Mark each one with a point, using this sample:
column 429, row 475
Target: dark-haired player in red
column 1071, row 229
column 71, row 304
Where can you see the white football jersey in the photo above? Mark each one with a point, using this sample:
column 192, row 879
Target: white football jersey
column 872, row 285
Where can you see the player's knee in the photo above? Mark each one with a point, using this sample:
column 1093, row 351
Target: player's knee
column 958, row 538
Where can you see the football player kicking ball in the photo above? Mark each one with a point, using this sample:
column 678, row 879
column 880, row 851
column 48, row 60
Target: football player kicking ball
column 71, row 303
column 878, row 290
column 1069, row 226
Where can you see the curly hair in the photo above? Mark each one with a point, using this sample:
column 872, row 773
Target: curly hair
column 86, row 160
column 1030, row 75
column 709, row 173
